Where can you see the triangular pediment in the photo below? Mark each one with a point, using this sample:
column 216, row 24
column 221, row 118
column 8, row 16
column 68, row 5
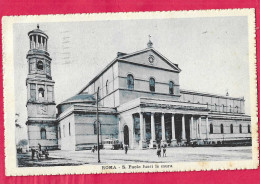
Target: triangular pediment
column 152, row 58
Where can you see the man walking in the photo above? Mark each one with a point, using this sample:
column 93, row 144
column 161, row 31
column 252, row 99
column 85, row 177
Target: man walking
column 126, row 148
column 164, row 151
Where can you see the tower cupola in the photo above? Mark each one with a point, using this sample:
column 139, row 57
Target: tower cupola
column 38, row 39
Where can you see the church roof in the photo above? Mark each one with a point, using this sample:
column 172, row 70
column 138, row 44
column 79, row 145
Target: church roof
column 83, row 97
column 123, row 56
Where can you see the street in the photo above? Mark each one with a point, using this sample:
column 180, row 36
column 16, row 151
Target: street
column 176, row 154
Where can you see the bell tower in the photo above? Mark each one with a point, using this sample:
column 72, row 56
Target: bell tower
column 41, row 107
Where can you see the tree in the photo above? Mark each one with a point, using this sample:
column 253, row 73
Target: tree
column 23, row 142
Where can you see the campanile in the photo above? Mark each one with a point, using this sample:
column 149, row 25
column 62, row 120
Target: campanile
column 41, row 107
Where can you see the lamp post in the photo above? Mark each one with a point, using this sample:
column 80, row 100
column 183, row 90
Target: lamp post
column 98, row 128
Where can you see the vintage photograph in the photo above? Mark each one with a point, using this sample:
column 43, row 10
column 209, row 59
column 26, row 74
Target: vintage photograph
column 138, row 92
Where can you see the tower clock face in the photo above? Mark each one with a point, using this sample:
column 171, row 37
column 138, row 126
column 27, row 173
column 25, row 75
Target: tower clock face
column 42, row 109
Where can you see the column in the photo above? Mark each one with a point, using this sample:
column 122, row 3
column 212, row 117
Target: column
column 53, row 94
column 34, row 42
column 28, row 91
column 173, row 141
column 44, row 46
column 163, row 127
column 152, row 141
column 144, row 134
column 37, row 42
column 141, row 142
column 119, row 131
column 36, row 91
column 133, row 132
column 40, row 45
column 200, row 127
column 183, row 128
column 191, row 132
column 207, row 127
column 46, row 93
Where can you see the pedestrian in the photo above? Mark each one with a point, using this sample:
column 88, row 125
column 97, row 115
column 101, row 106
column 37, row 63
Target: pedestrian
column 164, row 151
column 40, row 147
column 33, row 153
column 126, row 148
column 159, row 152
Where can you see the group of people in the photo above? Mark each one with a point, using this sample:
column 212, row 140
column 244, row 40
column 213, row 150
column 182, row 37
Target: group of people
column 39, row 152
column 160, row 149
column 94, row 148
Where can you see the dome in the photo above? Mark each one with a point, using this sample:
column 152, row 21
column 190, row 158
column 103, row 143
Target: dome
column 37, row 31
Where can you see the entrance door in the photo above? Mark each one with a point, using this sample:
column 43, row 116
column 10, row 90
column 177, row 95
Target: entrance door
column 126, row 135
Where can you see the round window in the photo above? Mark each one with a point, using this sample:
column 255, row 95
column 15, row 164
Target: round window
column 151, row 59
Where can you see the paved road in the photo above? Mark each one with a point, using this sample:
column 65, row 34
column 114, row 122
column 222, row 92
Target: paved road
column 176, row 154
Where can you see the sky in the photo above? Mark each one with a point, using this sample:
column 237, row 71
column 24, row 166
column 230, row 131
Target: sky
column 211, row 52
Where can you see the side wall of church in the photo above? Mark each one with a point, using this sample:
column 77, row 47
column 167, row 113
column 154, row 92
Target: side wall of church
column 141, row 76
column 216, row 103
column 86, row 128
column 66, row 133
column 108, row 85
column 227, row 134
column 244, row 132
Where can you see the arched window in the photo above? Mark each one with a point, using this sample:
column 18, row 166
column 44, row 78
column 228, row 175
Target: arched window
column 216, row 107
column 59, row 133
column 240, row 128
column 107, row 87
column 223, row 108
column 40, row 65
column 248, row 128
column 130, row 81
column 211, row 129
column 171, row 91
column 222, row 128
column 152, row 84
column 43, row 133
column 69, row 129
column 231, row 129
column 230, row 108
column 41, row 92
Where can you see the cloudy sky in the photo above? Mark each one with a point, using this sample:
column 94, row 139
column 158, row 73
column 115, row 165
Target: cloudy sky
column 212, row 52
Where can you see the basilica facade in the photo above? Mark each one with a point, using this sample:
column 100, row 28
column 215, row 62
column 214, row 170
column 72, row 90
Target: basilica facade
column 140, row 103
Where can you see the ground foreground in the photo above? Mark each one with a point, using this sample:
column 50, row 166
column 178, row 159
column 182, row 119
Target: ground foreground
column 176, row 154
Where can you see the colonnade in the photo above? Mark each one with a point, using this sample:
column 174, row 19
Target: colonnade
column 38, row 42
column 197, row 134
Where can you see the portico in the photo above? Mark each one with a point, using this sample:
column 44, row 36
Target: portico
column 173, row 123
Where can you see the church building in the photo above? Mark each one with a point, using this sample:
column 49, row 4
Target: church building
column 140, row 103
